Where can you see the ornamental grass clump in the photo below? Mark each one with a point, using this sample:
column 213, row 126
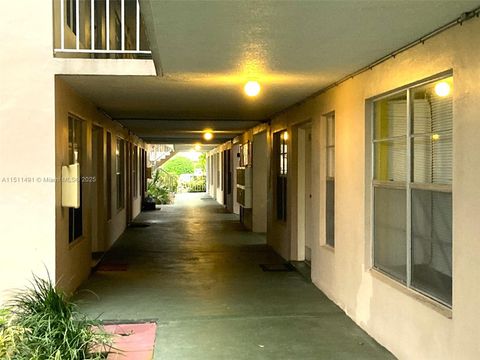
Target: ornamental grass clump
column 51, row 327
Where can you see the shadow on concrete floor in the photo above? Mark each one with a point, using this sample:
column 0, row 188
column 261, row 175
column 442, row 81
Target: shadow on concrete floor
column 196, row 271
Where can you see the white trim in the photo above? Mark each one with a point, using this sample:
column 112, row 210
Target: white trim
column 98, row 51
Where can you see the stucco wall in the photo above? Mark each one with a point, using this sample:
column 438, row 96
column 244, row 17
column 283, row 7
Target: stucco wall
column 73, row 260
column 27, row 145
column 27, row 138
column 409, row 325
column 260, row 179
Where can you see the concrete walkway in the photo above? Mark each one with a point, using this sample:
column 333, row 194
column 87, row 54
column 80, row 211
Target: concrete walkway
column 195, row 271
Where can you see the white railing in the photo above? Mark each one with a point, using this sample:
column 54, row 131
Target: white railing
column 158, row 152
column 76, row 14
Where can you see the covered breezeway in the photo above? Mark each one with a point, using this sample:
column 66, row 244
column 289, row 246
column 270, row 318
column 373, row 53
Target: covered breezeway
column 192, row 268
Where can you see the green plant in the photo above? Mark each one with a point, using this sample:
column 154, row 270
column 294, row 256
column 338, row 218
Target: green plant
column 52, row 328
column 179, row 165
column 10, row 336
column 160, row 193
column 161, row 186
column 196, row 184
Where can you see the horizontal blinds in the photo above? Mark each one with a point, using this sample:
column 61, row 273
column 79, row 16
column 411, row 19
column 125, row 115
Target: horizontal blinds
column 432, row 144
column 397, row 122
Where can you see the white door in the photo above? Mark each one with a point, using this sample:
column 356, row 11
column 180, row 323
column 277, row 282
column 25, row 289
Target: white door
column 308, row 195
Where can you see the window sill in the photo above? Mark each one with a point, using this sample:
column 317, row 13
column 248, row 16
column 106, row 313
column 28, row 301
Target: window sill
column 430, row 303
column 328, row 248
column 75, row 242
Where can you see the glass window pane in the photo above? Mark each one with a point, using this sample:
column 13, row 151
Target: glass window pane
column 330, row 211
column 331, row 130
column 433, row 107
column 432, row 243
column 390, row 160
column 391, row 116
column 433, row 159
column 331, row 162
column 390, row 240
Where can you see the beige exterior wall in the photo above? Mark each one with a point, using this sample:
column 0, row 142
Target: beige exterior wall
column 407, row 323
column 73, row 260
column 27, row 145
column 28, row 142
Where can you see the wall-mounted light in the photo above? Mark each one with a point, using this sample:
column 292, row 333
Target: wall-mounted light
column 435, row 137
column 252, row 88
column 285, row 135
column 208, row 135
column 442, row 89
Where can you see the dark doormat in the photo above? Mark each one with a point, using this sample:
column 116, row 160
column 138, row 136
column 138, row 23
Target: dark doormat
column 138, row 225
column 277, row 267
column 112, row 267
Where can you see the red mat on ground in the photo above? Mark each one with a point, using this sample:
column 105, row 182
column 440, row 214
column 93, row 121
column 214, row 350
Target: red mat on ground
column 133, row 341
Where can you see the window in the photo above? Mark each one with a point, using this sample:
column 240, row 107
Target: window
column 120, row 173
column 109, row 175
column 412, row 150
column 246, row 154
column 330, row 182
column 280, row 140
column 135, row 171
column 75, row 156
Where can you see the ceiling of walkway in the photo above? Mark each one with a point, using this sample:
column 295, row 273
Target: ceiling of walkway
column 206, row 51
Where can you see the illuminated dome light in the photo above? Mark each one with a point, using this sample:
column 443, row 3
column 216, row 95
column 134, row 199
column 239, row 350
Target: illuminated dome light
column 442, row 89
column 252, row 88
column 208, row 136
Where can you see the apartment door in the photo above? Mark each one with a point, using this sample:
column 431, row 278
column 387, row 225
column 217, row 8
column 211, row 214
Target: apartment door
column 303, row 243
column 98, row 209
column 308, row 195
column 260, row 182
column 226, row 159
column 129, row 182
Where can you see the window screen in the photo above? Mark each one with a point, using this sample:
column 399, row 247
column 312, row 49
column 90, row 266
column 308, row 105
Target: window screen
column 330, row 182
column 413, row 161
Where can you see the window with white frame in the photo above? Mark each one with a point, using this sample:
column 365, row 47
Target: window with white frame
column 412, row 187
column 280, row 145
column 120, row 173
column 330, row 181
column 135, row 171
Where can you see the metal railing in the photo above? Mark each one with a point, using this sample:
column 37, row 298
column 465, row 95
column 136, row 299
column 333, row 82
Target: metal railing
column 169, row 180
column 75, row 19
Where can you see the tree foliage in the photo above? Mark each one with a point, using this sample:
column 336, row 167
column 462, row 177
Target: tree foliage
column 202, row 162
column 179, row 165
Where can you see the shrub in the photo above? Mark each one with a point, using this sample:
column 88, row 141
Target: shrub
column 161, row 186
column 45, row 325
column 196, row 184
column 10, row 336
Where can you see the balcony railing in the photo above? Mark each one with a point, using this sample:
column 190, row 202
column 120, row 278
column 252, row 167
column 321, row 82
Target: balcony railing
column 100, row 29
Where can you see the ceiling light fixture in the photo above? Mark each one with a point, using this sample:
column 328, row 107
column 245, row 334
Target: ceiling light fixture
column 208, row 135
column 442, row 89
column 252, row 88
